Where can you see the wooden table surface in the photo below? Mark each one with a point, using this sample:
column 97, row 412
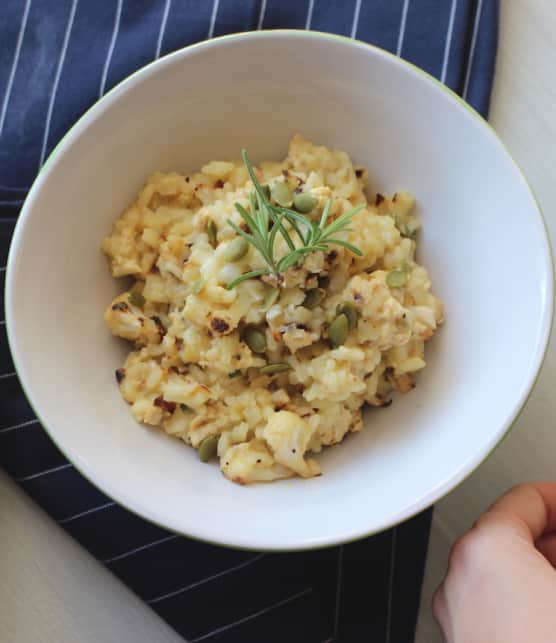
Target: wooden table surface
column 52, row 590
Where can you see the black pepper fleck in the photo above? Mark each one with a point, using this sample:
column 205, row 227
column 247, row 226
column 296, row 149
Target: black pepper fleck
column 121, row 305
column 219, row 325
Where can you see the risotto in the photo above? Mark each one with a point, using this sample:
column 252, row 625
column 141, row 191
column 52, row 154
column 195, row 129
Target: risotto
column 267, row 309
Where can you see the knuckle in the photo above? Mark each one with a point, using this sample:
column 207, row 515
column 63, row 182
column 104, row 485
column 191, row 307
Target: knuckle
column 474, row 547
column 524, row 488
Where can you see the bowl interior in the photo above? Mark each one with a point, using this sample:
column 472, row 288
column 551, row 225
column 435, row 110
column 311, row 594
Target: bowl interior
column 483, row 243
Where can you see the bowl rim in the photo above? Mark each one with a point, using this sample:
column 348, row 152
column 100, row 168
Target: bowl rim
column 435, row 493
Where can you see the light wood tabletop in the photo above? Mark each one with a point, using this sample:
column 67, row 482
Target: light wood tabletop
column 52, row 590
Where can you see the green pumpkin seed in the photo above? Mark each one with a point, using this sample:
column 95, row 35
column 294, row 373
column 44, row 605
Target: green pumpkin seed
column 271, row 298
column 255, row 339
column 235, row 373
column 208, row 447
column 339, row 330
column 211, row 233
column 313, row 297
column 304, row 202
column 184, row 408
column 136, row 298
column 412, row 228
column 397, row 278
column 281, row 194
column 278, row 367
column 236, row 249
column 350, row 311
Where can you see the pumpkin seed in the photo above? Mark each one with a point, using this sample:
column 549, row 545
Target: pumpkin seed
column 208, row 447
column 278, row 367
column 313, row 297
column 397, row 278
column 339, row 330
column 304, row 202
column 136, row 298
column 350, row 311
column 211, row 233
column 255, row 339
column 281, row 194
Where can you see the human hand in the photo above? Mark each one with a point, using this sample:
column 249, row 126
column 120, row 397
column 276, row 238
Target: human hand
column 501, row 580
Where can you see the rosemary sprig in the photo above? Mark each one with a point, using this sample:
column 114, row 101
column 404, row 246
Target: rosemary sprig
column 265, row 221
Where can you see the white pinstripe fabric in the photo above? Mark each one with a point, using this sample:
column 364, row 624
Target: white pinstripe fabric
column 111, row 46
column 213, row 15
column 390, row 604
column 472, row 48
column 261, row 15
column 219, row 630
column 20, row 425
column 309, row 18
column 449, row 33
column 54, row 90
column 46, row 472
column 13, row 68
column 87, row 512
column 137, row 550
column 152, row 601
column 401, row 34
column 339, row 579
column 162, row 28
column 355, row 22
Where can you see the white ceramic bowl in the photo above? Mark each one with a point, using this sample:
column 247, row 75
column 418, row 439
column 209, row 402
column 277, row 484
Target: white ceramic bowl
column 483, row 242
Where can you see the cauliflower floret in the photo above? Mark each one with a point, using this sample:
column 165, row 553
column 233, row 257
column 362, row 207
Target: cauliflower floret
column 228, row 354
column 335, row 375
column 252, row 462
column 288, row 436
column 383, row 320
column 129, row 322
column 332, row 422
column 184, row 389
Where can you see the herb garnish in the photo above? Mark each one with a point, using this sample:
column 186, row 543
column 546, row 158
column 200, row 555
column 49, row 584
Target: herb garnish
column 266, row 220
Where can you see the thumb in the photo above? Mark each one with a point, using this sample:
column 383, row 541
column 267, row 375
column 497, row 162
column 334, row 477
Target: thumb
column 527, row 511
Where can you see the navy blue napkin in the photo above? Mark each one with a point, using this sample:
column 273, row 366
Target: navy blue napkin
column 57, row 57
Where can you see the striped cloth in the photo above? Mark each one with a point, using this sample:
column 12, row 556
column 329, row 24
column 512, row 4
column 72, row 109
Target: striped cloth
column 57, row 57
